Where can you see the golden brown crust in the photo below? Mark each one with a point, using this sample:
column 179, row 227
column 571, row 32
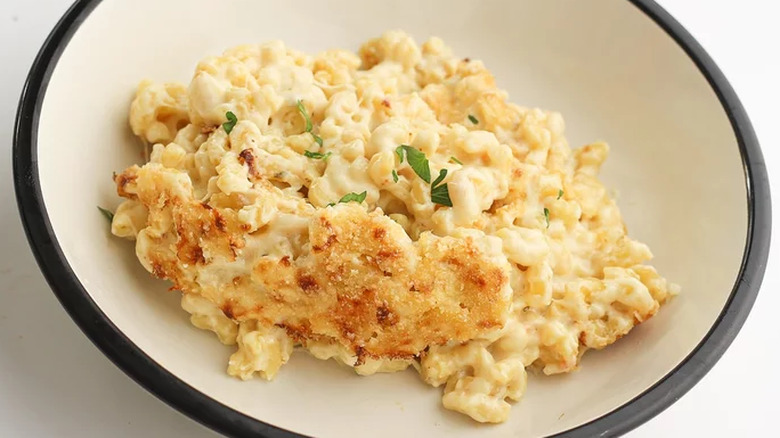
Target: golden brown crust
column 247, row 157
column 125, row 182
column 364, row 284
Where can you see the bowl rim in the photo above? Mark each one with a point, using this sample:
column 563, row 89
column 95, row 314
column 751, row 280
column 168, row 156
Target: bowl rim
column 209, row 412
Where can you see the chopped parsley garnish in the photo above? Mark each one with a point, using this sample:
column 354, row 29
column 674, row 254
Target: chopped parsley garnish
column 357, row 197
column 417, row 161
column 440, row 193
column 560, row 193
column 317, row 155
column 455, row 160
column 106, row 213
column 473, row 119
column 440, row 178
column 547, row 216
column 305, row 114
column 231, row 121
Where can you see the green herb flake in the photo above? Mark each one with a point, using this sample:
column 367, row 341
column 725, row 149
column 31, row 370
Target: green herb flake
column 547, row 216
column 440, row 193
column 456, row 161
column 305, row 114
column 317, row 155
column 395, row 175
column 231, row 121
column 106, row 213
column 400, row 152
column 439, row 179
column 473, row 119
column 417, row 161
column 356, row 197
column 560, row 194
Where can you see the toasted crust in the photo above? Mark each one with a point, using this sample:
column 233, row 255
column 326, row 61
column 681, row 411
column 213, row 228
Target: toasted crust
column 358, row 280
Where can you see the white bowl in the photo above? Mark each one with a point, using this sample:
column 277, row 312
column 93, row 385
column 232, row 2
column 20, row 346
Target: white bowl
column 691, row 180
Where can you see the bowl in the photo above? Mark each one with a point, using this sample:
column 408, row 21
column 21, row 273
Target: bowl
column 690, row 180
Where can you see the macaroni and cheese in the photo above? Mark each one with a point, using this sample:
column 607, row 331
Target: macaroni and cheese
column 387, row 209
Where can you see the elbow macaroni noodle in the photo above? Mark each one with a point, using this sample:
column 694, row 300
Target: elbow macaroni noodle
column 578, row 281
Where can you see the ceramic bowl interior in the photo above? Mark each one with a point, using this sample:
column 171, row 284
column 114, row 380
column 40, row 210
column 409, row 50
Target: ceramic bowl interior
column 615, row 75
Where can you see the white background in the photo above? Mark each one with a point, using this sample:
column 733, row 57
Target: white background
column 54, row 382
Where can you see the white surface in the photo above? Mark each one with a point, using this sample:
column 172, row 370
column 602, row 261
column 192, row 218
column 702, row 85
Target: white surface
column 36, row 400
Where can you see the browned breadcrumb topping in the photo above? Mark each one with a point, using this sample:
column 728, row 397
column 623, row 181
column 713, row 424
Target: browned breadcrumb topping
column 364, row 285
